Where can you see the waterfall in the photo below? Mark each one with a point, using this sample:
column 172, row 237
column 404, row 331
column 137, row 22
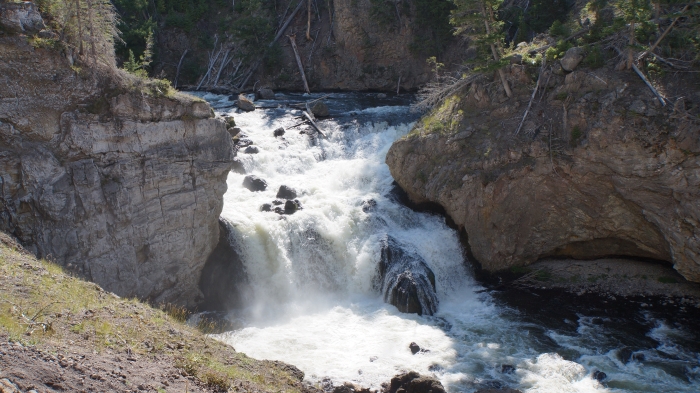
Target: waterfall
column 343, row 285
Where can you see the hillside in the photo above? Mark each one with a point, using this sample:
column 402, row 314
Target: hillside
column 60, row 333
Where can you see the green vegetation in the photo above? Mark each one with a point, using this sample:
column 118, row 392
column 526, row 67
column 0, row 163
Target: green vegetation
column 432, row 18
column 576, row 135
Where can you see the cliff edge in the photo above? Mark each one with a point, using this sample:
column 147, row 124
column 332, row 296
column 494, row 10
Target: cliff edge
column 599, row 168
column 119, row 181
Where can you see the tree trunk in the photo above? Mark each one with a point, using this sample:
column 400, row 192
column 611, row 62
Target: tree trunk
column 630, row 50
column 92, row 33
column 78, row 13
column 292, row 39
column 308, row 20
column 179, row 63
column 488, row 16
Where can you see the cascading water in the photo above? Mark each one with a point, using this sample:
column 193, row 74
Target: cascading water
column 319, row 277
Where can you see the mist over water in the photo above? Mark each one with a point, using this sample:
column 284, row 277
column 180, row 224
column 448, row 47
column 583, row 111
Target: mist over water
column 313, row 303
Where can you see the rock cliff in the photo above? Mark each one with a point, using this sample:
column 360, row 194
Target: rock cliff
column 599, row 168
column 122, row 185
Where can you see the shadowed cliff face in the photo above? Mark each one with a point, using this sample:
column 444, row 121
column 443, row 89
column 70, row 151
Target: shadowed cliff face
column 120, row 186
column 618, row 175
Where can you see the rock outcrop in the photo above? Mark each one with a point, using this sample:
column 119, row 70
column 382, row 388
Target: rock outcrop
column 412, row 382
column 405, row 279
column 598, row 169
column 119, row 185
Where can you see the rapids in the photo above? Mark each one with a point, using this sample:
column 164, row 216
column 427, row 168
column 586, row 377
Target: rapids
column 314, row 304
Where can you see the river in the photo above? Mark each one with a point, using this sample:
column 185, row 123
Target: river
column 313, row 303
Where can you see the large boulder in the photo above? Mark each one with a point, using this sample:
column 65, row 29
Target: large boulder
column 572, row 58
column 412, row 382
column 245, row 104
column 405, row 279
column 254, row 183
column 265, row 94
column 20, row 18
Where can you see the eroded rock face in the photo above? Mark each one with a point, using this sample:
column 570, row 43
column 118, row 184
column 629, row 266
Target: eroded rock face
column 20, row 18
column 119, row 186
column 607, row 183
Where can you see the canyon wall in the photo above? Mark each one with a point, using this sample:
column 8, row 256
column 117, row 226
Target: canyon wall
column 598, row 168
column 110, row 178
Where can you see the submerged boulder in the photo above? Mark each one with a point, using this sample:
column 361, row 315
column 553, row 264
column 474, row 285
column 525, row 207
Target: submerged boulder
column 320, row 109
column 405, row 279
column 286, row 192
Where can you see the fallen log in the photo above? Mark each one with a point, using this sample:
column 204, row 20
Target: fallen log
column 644, row 78
column 313, row 123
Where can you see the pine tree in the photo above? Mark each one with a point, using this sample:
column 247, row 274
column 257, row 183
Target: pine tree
column 477, row 19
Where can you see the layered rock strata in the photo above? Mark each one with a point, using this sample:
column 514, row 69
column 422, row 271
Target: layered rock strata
column 121, row 186
column 599, row 168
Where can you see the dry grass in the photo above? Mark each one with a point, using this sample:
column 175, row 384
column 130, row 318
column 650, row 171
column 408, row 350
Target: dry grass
column 42, row 306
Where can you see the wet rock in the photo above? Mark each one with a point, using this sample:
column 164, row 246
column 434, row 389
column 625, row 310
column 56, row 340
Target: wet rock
column 224, row 282
column 369, row 205
column 266, row 207
column 291, row 207
column 286, row 192
column 234, row 131
column 278, row 132
column 245, row 104
column 572, row 58
column 278, row 202
column 412, row 382
column 251, row 150
column 254, row 183
column 279, row 210
column 242, row 142
column 624, row 354
column 381, row 95
column 436, row 368
column 507, row 369
column 599, row 375
column 237, row 166
column 230, row 122
column 265, row 94
column 320, row 109
column 414, row 348
column 405, row 279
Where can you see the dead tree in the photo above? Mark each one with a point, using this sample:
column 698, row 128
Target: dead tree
column 292, row 40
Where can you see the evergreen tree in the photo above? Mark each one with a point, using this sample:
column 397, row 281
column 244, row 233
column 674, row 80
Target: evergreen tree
column 477, row 19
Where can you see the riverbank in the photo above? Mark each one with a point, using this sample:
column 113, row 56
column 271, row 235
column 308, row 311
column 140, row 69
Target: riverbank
column 59, row 333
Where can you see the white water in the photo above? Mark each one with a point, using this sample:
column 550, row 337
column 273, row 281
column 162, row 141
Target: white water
column 314, row 305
